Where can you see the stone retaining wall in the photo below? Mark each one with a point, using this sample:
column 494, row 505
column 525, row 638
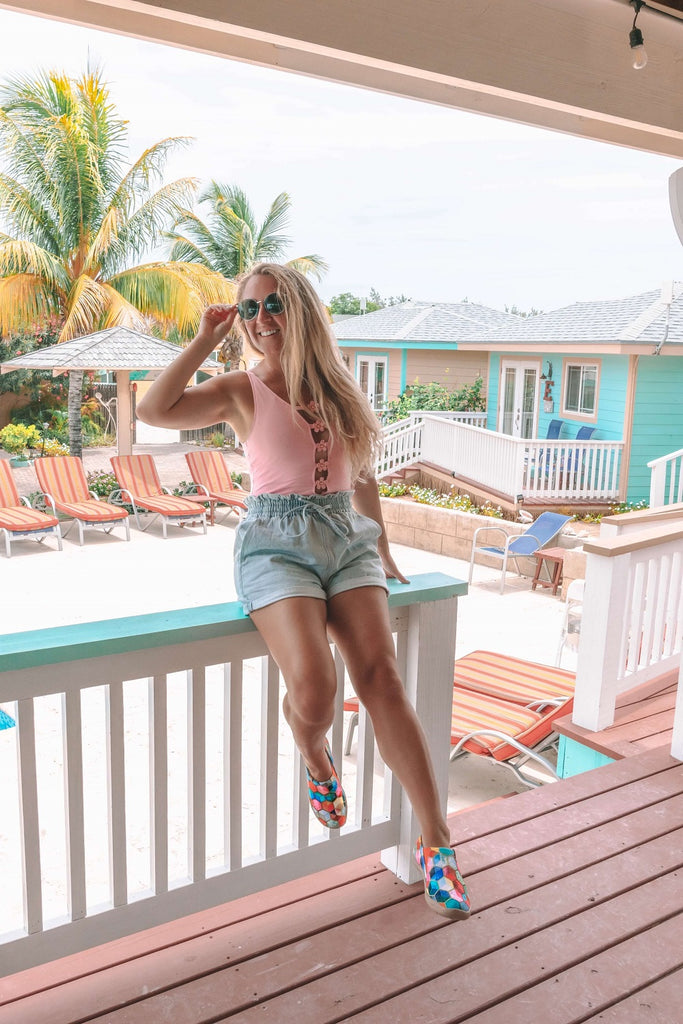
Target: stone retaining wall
column 450, row 532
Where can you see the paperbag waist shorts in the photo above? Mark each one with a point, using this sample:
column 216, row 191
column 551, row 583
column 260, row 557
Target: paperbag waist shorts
column 295, row 545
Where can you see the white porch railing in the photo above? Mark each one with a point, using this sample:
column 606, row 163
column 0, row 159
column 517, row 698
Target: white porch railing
column 632, row 621
column 557, row 470
column 146, row 783
column 402, row 441
column 666, row 479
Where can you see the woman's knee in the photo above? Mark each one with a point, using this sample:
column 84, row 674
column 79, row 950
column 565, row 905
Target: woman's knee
column 311, row 699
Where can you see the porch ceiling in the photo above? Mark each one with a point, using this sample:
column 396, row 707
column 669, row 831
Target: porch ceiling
column 560, row 64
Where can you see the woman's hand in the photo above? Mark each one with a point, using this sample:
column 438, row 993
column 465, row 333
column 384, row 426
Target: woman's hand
column 216, row 322
column 391, row 570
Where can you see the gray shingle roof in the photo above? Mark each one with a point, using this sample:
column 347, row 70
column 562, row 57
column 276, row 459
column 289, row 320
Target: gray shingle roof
column 116, row 348
column 637, row 319
column 424, row 322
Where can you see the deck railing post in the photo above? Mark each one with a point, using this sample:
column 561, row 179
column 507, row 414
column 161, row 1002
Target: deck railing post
column 600, row 651
column 429, row 685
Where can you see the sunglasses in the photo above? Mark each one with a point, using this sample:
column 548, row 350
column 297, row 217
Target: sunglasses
column 273, row 304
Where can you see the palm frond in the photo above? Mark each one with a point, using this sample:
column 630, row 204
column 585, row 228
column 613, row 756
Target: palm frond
column 173, row 293
column 119, row 312
column 20, row 257
column 142, row 230
column 25, row 212
column 24, row 299
column 86, row 304
column 313, row 265
column 184, row 250
column 104, row 241
column 147, row 169
column 270, row 243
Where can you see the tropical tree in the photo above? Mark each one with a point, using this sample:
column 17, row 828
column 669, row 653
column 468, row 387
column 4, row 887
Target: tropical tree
column 79, row 218
column 230, row 240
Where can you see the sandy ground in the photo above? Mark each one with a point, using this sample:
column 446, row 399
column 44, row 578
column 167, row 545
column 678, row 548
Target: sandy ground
column 109, row 577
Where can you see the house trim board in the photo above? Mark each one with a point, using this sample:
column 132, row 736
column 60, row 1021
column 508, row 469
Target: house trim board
column 627, row 433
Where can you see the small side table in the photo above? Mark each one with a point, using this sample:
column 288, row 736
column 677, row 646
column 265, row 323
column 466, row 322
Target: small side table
column 553, row 559
column 204, row 499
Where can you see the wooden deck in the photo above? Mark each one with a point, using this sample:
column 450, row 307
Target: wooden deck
column 577, row 891
column 643, row 721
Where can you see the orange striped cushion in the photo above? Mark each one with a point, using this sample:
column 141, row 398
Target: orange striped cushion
column 92, row 511
column 137, row 474
column 20, row 518
column 63, row 477
column 472, row 711
column 9, row 495
column 230, row 497
column 513, row 679
column 209, row 469
column 168, row 505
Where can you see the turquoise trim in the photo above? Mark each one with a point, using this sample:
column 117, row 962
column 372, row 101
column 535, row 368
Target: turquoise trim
column 38, row 647
column 573, row 758
column 404, row 372
column 425, row 346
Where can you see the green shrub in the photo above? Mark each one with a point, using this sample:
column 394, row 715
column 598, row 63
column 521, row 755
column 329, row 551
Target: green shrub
column 217, row 439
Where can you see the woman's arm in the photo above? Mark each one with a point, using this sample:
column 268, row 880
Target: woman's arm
column 170, row 403
column 366, row 501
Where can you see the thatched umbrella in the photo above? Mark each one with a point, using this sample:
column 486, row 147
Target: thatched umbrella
column 119, row 350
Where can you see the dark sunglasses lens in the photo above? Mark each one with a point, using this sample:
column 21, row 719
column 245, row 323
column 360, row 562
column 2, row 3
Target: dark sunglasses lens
column 247, row 309
column 273, row 304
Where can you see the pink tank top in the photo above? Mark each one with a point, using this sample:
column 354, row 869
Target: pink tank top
column 287, row 454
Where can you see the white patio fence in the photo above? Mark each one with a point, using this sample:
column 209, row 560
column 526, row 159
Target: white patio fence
column 402, row 440
column 632, row 620
column 556, row 470
column 666, row 479
column 147, row 751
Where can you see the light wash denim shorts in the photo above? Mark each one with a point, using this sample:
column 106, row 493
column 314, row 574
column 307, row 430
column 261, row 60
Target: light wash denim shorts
column 295, row 545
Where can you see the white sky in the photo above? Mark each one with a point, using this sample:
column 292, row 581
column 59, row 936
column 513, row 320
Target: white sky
column 403, row 196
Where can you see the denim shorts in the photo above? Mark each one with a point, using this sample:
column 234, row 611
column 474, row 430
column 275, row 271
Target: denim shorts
column 294, row 545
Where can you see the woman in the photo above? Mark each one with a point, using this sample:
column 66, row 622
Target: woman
column 308, row 563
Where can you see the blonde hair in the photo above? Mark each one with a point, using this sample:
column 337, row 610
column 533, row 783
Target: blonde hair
column 313, row 367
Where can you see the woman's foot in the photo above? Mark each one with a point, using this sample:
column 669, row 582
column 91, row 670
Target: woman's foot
column 445, row 889
column 328, row 799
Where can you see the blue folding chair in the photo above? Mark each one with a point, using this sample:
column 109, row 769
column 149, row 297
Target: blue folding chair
column 541, row 532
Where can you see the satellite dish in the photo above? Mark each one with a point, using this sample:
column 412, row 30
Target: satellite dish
column 676, row 200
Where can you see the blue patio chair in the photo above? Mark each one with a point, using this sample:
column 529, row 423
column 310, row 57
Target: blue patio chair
column 544, row 457
column 540, row 533
column 554, row 430
column 575, row 460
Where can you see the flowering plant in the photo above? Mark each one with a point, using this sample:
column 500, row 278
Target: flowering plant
column 16, row 438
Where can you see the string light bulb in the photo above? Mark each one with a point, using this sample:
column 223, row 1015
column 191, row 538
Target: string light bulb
column 636, row 40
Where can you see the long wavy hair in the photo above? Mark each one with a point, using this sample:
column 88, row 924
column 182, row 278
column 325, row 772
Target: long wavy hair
column 314, row 369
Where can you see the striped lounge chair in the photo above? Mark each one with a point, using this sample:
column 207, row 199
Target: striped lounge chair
column 211, row 475
column 140, row 486
column 505, row 708
column 17, row 519
column 63, row 481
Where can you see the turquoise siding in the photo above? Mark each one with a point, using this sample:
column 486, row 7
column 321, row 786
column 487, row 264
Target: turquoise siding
column 611, row 397
column 657, row 418
column 573, row 758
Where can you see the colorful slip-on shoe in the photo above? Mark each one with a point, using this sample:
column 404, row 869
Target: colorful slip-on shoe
column 445, row 889
column 328, row 799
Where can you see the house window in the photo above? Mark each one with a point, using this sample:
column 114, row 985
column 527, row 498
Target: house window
column 581, row 389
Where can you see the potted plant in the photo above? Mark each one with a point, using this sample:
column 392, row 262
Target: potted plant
column 17, row 438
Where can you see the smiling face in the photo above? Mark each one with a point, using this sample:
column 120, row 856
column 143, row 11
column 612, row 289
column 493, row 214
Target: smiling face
column 266, row 330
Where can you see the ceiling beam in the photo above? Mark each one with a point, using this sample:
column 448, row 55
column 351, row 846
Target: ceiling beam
column 559, row 64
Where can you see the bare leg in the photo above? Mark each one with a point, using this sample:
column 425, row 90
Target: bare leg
column 295, row 631
column 359, row 625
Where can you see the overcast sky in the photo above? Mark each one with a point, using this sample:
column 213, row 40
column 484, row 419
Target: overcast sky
column 402, row 196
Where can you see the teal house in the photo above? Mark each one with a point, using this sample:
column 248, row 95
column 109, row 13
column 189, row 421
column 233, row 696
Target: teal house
column 600, row 383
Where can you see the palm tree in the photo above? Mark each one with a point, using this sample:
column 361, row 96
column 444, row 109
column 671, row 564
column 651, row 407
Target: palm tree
column 231, row 241
column 80, row 218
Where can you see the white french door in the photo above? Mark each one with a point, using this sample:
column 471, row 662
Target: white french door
column 518, row 406
column 371, row 374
